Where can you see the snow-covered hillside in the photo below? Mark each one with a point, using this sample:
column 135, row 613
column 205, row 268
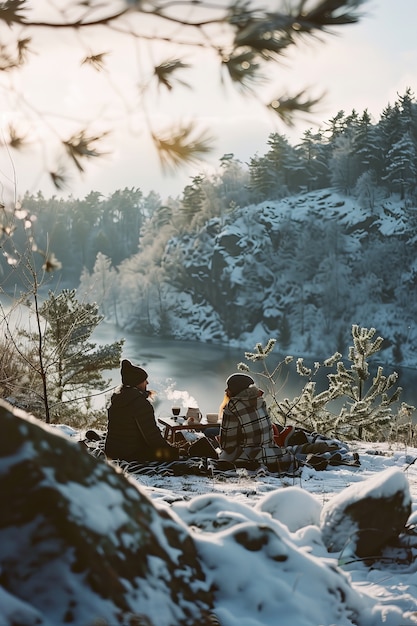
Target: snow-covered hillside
column 304, row 269
column 301, row 269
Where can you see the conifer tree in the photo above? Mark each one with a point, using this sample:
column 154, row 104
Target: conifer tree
column 260, row 178
column 282, row 164
column 193, row 198
column 401, row 168
column 73, row 365
column 368, row 406
column 310, row 151
column 364, row 143
column 342, row 165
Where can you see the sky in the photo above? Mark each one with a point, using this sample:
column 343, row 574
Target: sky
column 363, row 66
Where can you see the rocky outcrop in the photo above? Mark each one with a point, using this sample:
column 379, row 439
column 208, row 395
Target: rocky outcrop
column 80, row 543
column 362, row 520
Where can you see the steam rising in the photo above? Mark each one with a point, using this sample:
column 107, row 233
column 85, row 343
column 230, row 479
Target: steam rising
column 182, row 398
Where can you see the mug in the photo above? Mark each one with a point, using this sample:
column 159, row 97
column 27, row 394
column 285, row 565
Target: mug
column 193, row 415
column 212, row 418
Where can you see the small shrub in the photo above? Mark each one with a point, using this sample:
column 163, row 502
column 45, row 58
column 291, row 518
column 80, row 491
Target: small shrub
column 354, row 405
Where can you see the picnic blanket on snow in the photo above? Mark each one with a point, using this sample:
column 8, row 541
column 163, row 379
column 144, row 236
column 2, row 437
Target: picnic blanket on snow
column 201, row 466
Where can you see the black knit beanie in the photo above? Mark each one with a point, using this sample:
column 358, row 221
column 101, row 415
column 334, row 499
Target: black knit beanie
column 132, row 375
column 238, row 382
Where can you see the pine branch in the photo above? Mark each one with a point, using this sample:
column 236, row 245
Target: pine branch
column 181, row 146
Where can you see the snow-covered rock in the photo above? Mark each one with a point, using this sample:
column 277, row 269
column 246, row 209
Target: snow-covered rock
column 79, row 543
column 361, row 520
column 294, row 507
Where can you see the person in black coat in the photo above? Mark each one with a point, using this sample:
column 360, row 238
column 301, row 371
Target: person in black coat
column 132, row 433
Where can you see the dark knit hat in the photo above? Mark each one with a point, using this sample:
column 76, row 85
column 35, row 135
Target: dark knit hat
column 238, row 382
column 132, row 375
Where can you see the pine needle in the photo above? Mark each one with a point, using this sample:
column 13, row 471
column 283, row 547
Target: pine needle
column 180, row 147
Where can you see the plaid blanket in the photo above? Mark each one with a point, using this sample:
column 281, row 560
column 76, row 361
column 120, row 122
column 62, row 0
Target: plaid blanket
column 201, row 466
column 196, row 466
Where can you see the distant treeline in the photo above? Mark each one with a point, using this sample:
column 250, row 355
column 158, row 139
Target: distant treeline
column 352, row 154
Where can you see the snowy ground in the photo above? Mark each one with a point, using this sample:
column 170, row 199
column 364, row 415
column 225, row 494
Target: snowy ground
column 374, row 457
column 384, row 592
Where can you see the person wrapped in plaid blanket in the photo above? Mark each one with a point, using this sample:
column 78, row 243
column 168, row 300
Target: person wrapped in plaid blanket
column 246, row 433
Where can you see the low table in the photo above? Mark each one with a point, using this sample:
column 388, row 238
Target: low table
column 172, row 426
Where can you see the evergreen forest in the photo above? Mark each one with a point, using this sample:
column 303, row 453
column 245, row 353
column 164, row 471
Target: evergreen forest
column 299, row 244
